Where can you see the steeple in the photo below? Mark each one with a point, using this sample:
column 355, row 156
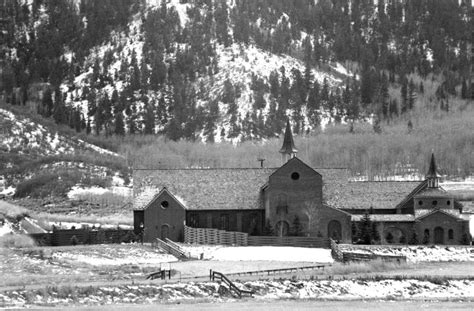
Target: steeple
column 288, row 150
column 432, row 175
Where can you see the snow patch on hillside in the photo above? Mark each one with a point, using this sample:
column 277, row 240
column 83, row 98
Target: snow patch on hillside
column 26, row 136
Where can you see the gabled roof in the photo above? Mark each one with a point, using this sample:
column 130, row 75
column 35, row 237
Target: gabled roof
column 203, row 189
column 239, row 188
column 433, row 193
column 288, row 146
column 387, row 218
column 366, row 194
column 450, row 213
column 295, row 159
column 407, row 201
column 146, row 199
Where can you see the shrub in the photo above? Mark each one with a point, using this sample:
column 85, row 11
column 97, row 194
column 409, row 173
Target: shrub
column 16, row 241
column 414, row 239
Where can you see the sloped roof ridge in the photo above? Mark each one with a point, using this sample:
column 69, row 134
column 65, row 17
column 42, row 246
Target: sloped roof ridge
column 418, row 188
column 232, row 168
column 386, row 181
column 299, row 160
column 438, row 211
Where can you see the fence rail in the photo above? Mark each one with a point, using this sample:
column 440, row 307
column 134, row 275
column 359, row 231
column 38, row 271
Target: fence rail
column 170, row 249
column 296, row 241
column 213, row 275
column 354, row 256
column 83, row 236
column 214, row 236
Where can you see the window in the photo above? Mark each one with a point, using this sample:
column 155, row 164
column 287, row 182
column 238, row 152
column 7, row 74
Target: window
column 420, row 203
column 448, row 202
column 295, row 176
column 435, row 203
column 164, row 204
column 450, row 234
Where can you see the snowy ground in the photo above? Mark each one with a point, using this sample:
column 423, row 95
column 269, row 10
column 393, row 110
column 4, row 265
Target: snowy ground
column 258, row 253
column 419, row 253
column 263, row 290
column 5, row 228
column 113, row 256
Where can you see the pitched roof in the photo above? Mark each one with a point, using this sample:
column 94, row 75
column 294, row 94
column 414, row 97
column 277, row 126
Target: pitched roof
column 203, row 188
column 296, row 159
column 420, row 214
column 288, row 143
column 407, row 201
column 386, row 218
column 433, row 193
column 432, row 172
column 239, row 188
column 366, row 194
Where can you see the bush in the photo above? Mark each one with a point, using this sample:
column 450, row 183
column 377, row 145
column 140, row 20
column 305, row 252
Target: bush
column 414, row 239
column 16, row 241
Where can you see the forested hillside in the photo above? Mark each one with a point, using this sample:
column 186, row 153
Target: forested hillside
column 235, row 70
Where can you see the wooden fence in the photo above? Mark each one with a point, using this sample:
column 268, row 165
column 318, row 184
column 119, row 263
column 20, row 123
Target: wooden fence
column 83, row 236
column 214, row 236
column 354, row 256
column 296, row 241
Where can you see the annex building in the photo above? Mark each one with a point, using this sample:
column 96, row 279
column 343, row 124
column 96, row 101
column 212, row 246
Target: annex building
column 294, row 199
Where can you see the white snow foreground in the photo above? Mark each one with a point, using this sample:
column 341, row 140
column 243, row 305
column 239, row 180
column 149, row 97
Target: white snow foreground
column 271, row 253
column 263, row 290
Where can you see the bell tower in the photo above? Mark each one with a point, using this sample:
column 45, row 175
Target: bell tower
column 432, row 175
column 288, row 150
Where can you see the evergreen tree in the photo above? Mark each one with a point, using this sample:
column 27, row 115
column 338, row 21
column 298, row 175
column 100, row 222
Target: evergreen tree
column 411, row 95
column 149, row 119
column 119, row 124
column 47, row 103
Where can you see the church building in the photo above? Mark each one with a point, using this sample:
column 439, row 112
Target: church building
column 294, row 199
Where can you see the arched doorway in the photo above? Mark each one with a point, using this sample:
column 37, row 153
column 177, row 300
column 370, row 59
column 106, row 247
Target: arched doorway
column 165, row 232
column 281, row 228
column 335, row 230
column 438, row 235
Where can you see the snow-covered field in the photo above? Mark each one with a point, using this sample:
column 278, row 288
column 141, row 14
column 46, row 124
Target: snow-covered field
column 263, row 290
column 420, row 253
column 112, row 256
column 260, row 253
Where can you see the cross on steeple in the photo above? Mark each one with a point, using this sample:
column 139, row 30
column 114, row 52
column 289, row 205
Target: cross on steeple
column 288, row 149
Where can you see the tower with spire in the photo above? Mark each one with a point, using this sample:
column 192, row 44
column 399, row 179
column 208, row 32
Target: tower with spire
column 432, row 175
column 288, row 149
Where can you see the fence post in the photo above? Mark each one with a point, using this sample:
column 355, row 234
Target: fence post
column 210, row 275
